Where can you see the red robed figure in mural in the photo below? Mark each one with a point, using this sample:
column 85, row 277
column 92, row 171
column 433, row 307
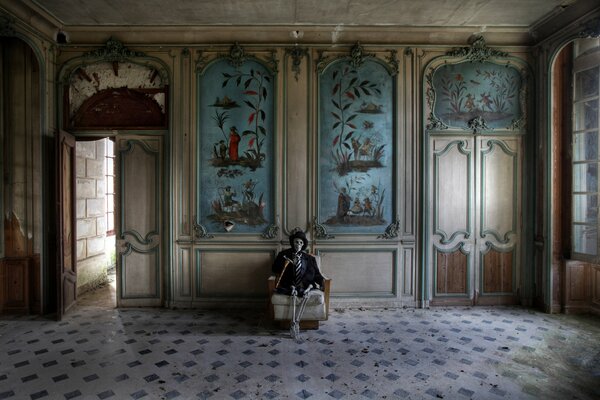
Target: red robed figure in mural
column 234, row 140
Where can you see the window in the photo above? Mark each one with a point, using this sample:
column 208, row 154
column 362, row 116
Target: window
column 109, row 160
column 585, row 150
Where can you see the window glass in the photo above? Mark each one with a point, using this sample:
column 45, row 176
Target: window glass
column 586, row 83
column 585, row 151
column 585, row 146
column 585, row 208
column 586, row 115
column 585, row 177
column 585, row 239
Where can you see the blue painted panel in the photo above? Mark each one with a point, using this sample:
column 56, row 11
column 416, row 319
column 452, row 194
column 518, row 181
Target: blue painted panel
column 471, row 89
column 236, row 136
column 356, row 147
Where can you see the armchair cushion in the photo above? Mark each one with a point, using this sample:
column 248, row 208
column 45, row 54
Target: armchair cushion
column 314, row 311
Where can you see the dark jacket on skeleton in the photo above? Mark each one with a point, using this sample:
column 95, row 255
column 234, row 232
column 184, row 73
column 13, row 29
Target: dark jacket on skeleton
column 309, row 273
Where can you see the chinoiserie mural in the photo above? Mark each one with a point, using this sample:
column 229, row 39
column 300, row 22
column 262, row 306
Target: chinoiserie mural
column 356, row 147
column 236, row 137
column 477, row 90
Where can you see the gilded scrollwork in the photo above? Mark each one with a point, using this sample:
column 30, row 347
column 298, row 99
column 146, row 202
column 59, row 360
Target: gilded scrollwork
column 320, row 230
column 392, row 231
column 271, row 232
column 200, row 231
column 297, row 53
column 114, row 51
column 477, row 124
column 478, row 51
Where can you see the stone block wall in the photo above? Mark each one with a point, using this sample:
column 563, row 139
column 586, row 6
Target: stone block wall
column 91, row 220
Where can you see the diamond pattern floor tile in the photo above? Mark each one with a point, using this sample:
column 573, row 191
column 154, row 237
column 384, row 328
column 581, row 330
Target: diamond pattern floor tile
column 452, row 353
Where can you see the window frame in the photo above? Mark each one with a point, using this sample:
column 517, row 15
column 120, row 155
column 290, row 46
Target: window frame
column 585, row 61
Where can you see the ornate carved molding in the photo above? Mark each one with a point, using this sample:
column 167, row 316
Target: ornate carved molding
column 201, row 61
column 320, row 230
column 236, row 56
column 200, row 231
column 270, row 232
column 358, row 56
column 477, row 51
column 273, row 62
column 7, row 26
column 591, row 29
column 297, row 53
column 477, row 124
column 392, row 60
column 321, row 61
column 113, row 50
column 521, row 122
column 392, row 230
column 433, row 122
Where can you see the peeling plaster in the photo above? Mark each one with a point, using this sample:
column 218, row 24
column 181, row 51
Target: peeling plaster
column 336, row 33
column 87, row 81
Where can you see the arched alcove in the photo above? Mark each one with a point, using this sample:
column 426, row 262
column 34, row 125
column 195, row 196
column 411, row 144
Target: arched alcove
column 20, row 191
column 574, row 118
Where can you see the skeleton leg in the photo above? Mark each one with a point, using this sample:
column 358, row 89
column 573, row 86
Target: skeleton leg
column 293, row 326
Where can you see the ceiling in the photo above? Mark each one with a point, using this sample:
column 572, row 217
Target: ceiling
column 406, row 13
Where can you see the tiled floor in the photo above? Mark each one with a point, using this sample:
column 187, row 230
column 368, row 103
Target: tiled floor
column 451, row 353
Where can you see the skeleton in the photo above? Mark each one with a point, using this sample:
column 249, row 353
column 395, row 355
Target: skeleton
column 300, row 283
column 295, row 324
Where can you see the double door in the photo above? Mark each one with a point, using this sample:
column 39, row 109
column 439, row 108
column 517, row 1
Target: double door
column 473, row 219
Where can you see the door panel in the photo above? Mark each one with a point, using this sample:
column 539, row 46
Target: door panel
column 451, row 210
column 67, row 253
column 499, row 226
column 474, row 214
column 139, row 199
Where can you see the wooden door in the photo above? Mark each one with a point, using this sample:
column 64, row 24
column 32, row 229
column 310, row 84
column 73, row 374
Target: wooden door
column 67, row 238
column 139, row 211
column 473, row 219
column 499, row 219
column 450, row 219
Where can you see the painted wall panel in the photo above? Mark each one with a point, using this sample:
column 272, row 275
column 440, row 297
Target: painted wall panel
column 499, row 182
column 236, row 137
column 356, row 147
column 184, row 273
column 297, row 148
column 452, row 187
column 233, row 274
column 364, row 273
column 408, row 264
column 140, row 276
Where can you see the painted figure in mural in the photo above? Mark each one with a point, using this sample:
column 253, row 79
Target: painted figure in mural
column 356, row 207
column 343, row 205
column 249, row 190
column 355, row 147
column 234, row 140
column 222, row 150
column 365, row 148
column 367, row 206
column 228, row 198
column 296, row 270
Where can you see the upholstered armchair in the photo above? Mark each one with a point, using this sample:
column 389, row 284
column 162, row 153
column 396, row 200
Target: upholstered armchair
column 317, row 308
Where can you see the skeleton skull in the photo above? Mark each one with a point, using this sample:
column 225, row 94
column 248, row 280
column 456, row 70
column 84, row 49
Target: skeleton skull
column 298, row 244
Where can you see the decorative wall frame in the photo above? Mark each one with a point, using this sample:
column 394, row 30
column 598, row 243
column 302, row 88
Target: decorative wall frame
column 356, row 144
column 476, row 89
column 236, row 142
column 113, row 87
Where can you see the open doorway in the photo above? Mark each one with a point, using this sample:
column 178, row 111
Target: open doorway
column 96, row 245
